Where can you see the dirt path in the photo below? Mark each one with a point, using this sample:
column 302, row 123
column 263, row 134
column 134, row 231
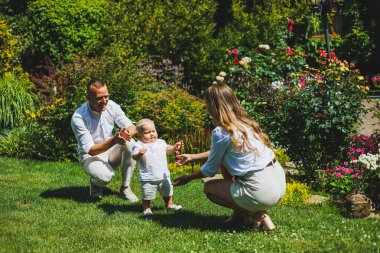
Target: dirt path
column 370, row 123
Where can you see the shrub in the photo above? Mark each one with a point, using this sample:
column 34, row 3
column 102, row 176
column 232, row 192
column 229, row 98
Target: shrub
column 175, row 112
column 62, row 27
column 360, row 171
column 7, row 48
column 184, row 169
column 296, row 194
column 323, row 107
column 180, row 31
column 15, row 97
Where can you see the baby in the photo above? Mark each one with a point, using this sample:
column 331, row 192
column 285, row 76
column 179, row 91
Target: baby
column 150, row 153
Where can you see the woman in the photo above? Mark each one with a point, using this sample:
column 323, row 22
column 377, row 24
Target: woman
column 253, row 180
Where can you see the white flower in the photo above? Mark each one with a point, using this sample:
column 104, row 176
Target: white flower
column 222, row 73
column 220, row 78
column 244, row 62
column 277, row 85
column 371, row 161
column 264, row 46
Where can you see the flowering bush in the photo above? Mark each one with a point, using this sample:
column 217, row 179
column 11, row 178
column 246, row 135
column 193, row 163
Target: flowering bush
column 322, row 109
column 296, row 193
column 360, row 171
column 307, row 111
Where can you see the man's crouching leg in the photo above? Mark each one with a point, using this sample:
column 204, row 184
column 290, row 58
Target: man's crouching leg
column 101, row 173
column 123, row 155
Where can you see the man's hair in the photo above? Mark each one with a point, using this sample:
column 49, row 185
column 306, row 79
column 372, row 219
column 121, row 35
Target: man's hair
column 96, row 83
column 140, row 124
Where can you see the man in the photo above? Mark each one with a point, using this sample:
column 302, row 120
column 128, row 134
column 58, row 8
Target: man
column 100, row 151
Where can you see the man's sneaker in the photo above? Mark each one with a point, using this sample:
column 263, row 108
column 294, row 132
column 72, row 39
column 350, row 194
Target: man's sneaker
column 174, row 207
column 127, row 193
column 147, row 211
column 96, row 192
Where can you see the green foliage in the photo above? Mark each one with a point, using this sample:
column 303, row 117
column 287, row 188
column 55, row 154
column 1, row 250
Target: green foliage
column 175, row 112
column 264, row 23
column 62, row 27
column 281, row 156
column 7, row 48
column 360, row 171
column 180, row 31
column 15, row 99
column 357, row 45
column 323, row 107
column 296, row 193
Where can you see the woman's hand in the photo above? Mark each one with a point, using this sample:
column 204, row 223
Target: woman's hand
column 184, row 179
column 183, row 159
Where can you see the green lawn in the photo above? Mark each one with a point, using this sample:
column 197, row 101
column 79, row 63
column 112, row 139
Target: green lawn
column 44, row 208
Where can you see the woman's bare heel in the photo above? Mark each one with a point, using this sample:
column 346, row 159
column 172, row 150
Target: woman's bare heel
column 267, row 223
column 263, row 219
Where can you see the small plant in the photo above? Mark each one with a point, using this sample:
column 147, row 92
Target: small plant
column 15, row 97
column 359, row 172
column 296, row 194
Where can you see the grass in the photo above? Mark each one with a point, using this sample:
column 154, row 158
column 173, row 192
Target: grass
column 44, row 208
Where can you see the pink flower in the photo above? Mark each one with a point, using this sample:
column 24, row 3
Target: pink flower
column 353, row 159
column 235, row 52
column 290, row 28
column 338, row 175
column 345, row 163
column 289, row 50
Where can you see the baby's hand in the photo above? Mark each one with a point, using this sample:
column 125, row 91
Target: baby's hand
column 179, row 145
column 142, row 151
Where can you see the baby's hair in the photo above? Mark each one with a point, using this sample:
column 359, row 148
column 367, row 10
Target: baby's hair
column 141, row 123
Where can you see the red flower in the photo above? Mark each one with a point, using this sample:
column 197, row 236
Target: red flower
column 290, row 28
column 290, row 22
column 289, row 50
column 236, row 60
column 235, row 52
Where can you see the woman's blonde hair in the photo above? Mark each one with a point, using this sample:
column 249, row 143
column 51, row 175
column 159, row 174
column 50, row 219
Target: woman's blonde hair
column 227, row 113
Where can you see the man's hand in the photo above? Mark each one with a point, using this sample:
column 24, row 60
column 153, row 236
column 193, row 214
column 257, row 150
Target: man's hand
column 125, row 133
column 118, row 138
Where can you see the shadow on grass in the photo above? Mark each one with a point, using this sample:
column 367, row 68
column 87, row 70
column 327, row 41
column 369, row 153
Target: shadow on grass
column 191, row 220
column 76, row 193
column 111, row 208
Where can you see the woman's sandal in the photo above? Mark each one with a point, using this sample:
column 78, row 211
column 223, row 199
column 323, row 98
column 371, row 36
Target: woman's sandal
column 263, row 221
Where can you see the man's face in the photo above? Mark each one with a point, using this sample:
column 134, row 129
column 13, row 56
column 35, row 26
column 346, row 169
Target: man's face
column 98, row 98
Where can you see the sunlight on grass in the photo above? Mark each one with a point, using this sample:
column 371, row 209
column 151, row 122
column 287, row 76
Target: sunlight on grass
column 51, row 212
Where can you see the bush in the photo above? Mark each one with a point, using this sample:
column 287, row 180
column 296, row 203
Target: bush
column 360, row 171
column 296, row 193
column 15, row 97
column 7, row 48
column 176, row 113
column 62, row 27
column 322, row 109
column 180, row 31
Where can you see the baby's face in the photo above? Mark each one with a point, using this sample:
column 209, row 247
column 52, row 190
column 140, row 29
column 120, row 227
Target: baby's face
column 149, row 133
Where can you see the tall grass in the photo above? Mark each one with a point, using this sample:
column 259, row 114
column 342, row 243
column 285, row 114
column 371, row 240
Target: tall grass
column 15, row 98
